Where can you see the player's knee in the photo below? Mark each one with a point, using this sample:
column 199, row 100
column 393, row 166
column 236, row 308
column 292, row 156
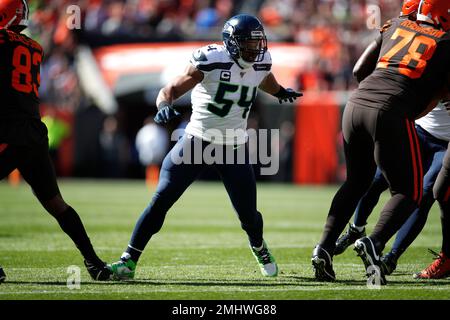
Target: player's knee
column 357, row 186
column 161, row 197
column 357, row 178
column 55, row 206
column 428, row 194
column 439, row 194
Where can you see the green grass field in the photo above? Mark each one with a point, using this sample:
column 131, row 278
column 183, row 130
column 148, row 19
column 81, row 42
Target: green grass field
column 201, row 252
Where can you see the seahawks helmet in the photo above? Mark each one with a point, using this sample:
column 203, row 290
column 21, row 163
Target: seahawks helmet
column 244, row 38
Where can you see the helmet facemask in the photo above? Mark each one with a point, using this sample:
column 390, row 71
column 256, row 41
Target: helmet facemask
column 14, row 15
column 435, row 12
column 252, row 49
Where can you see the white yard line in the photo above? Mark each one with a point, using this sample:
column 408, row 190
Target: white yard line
column 125, row 291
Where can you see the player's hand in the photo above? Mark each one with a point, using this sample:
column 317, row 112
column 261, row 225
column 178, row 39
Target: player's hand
column 285, row 95
column 166, row 113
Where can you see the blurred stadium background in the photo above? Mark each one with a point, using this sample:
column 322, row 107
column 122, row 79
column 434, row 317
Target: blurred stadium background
column 100, row 79
column 98, row 88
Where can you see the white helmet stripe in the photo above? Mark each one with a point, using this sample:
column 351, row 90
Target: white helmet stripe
column 24, row 21
column 25, row 7
column 422, row 17
column 420, row 6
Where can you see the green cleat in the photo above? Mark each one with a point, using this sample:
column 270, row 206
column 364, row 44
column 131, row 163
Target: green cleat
column 266, row 261
column 122, row 269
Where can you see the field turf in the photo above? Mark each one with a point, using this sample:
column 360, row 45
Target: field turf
column 201, row 251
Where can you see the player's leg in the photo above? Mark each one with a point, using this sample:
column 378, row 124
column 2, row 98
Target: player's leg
column 370, row 199
column 361, row 168
column 3, row 172
column 398, row 156
column 7, row 164
column 365, row 206
column 442, row 195
column 174, row 179
column 433, row 153
column 7, row 160
column 239, row 181
column 35, row 165
column 440, row 268
column 444, row 202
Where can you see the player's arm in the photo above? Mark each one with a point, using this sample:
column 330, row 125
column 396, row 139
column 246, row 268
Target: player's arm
column 441, row 96
column 368, row 60
column 175, row 89
column 271, row 86
column 180, row 85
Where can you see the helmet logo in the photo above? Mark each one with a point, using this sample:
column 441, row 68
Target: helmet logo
column 257, row 33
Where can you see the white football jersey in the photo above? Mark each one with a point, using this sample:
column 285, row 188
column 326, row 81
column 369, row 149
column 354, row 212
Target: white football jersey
column 437, row 122
column 222, row 101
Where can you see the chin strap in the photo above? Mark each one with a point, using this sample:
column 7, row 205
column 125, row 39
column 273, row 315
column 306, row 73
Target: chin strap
column 424, row 18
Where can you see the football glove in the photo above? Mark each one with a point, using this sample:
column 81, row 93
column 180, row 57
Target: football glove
column 285, row 95
column 165, row 113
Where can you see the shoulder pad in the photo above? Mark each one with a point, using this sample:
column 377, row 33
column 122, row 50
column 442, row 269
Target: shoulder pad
column 387, row 25
column 211, row 57
column 208, row 54
column 267, row 57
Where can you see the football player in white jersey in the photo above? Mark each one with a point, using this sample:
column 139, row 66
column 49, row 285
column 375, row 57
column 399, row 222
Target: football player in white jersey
column 440, row 267
column 224, row 79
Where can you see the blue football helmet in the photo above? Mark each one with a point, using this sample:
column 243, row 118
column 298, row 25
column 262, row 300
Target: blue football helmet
column 243, row 36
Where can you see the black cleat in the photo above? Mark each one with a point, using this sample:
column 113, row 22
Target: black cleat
column 367, row 252
column 389, row 262
column 2, row 275
column 98, row 272
column 348, row 238
column 322, row 263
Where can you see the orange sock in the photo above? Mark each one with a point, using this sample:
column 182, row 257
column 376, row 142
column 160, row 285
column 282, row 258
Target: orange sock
column 14, row 178
column 151, row 176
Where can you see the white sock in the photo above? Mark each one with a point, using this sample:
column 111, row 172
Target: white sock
column 259, row 249
column 360, row 229
column 125, row 256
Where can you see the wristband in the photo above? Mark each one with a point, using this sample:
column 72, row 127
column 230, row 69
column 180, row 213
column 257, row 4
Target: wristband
column 280, row 92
